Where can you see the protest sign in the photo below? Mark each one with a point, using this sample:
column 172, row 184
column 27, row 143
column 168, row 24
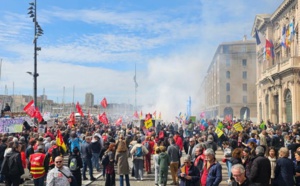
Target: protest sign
column 9, row 125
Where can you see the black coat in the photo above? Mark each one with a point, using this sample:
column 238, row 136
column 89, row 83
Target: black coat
column 260, row 170
column 194, row 173
column 284, row 172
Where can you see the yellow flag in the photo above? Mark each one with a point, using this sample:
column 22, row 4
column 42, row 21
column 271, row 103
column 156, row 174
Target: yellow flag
column 219, row 132
column 148, row 123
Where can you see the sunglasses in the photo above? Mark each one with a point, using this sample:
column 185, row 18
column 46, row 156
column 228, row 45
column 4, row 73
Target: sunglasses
column 58, row 161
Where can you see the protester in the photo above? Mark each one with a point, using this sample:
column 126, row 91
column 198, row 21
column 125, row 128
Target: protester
column 163, row 162
column 297, row 168
column 260, row 168
column 174, row 154
column 60, row 174
column 284, row 170
column 12, row 167
column 227, row 157
column 138, row 151
column 110, row 169
column 96, row 149
column 188, row 174
column 156, row 165
column 238, row 173
column 38, row 166
column 212, row 169
column 272, row 158
column 122, row 161
column 86, row 155
column 75, row 164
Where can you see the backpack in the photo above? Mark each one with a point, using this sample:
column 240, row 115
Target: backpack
column 138, row 152
column 73, row 164
column 13, row 164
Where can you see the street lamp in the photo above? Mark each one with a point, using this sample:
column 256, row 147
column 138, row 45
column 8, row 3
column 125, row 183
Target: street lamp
column 38, row 31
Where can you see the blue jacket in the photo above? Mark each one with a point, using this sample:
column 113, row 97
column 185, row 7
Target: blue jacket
column 214, row 176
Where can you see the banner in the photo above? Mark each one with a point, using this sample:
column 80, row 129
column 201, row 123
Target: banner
column 238, row 127
column 219, row 132
column 8, row 125
column 148, row 123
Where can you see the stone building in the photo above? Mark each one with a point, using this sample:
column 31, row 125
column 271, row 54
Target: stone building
column 278, row 74
column 229, row 84
column 89, row 99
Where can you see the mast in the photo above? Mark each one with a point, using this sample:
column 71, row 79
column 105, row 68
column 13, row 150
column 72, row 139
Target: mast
column 135, row 86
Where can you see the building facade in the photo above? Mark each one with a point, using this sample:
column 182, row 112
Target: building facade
column 89, row 100
column 278, row 75
column 229, row 85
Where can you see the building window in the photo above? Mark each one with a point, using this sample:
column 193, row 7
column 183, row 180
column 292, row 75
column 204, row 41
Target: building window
column 245, row 99
column 227, row 86
column 244, row 62
column 225, row 49
column 227, row 62
column 227, row 99
column 228, row 74
column 244, row 86
column 244, row 74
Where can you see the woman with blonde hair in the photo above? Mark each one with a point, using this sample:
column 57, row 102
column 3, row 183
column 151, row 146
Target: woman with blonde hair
column 121, row 159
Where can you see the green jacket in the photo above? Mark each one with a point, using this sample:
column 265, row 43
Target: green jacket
column 163, row 161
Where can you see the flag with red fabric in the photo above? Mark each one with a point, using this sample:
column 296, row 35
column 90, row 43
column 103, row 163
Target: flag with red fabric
column 104, row 103
column 72, row 120
column 136, row 115
column 119, row 121
column 79, row 110
column 91, row 121
column 60, row 141
column 30, row 109
column 103, row 119
column 38, row 115
column 154, row 114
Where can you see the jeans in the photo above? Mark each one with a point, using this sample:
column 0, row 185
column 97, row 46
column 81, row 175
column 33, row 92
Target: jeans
column 95, row 161
column 39, row 181
column 138, row 168
column 87, row 162
column 228, row 164
column 126, row 179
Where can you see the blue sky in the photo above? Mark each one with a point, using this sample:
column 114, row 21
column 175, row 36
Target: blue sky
column 95, row 44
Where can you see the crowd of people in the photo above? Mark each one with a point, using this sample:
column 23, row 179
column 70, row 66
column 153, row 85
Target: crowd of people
column 263, row 155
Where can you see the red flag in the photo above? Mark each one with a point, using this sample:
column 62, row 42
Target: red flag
column 154, row 114
column 136, row 114
column 72, row 120
column 30, row 109
column 104, row 103
column 79, row 110
column 103, row 118
column 38, row 115
column 119, row 121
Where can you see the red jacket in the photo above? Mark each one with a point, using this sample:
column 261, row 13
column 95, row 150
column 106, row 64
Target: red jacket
column 178, row 141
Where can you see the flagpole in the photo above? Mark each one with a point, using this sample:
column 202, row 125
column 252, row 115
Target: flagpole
column 135, row 85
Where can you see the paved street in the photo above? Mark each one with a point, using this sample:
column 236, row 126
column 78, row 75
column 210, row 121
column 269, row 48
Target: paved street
column 148, row 178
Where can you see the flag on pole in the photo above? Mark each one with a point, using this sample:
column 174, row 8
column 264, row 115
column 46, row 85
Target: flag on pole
column 283, row 37
column 260, row 38
column 60, row 141
column 141, row 115
column 136, row 115
column 72, row 121
column 104, row 103
column 154, row 114
column 245, row 115
column 90, row 119
column 79, row 110
column 38, row 115
column 30, row 109
column 119, row 121
column 103, row 119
